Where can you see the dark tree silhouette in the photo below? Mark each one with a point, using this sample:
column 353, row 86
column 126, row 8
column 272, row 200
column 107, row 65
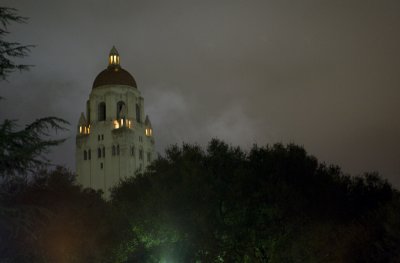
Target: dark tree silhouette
column 11, row 50
column 271, row 204
column 21, row 151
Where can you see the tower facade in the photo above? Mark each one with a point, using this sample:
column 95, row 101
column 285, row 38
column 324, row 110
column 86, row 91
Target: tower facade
column 114, row 138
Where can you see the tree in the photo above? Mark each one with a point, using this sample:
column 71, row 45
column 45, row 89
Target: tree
column 21, row 151
column 67, row 223
column 10, row 50
column 271, row 204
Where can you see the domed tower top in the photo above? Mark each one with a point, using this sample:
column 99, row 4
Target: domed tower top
column 114, row 74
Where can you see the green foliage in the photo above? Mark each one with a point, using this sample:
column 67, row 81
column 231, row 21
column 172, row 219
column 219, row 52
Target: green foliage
column 271, row 204
column 11, row 50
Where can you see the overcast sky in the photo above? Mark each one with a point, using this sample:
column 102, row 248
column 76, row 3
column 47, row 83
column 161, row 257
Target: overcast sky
column 322, row 74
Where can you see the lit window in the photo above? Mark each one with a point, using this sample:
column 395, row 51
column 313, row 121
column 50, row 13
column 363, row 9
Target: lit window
column 80, row 129
column 148, row 132
column 116, row 124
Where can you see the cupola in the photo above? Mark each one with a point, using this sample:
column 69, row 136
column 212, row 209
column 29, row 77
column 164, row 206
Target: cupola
column 114, row 74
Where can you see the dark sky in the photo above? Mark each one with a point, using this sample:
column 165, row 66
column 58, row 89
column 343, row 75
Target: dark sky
column 322, row 74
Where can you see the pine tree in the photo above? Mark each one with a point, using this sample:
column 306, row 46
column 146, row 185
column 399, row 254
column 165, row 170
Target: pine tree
column 11, row 50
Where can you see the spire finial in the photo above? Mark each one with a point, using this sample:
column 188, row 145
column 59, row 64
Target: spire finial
column 113, row 58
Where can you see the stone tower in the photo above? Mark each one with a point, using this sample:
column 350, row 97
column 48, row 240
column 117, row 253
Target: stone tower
column 114, row 138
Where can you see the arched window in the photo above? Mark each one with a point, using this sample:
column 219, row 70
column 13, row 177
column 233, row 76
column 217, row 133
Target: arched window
column 85, row 155
column 132, row 150
column 120, row 105
column 102, row 111
column 138, row 113
column 113, row 150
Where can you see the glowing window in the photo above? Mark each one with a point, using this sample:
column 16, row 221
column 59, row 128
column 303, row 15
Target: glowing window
column 116, row 124
column 148, row 132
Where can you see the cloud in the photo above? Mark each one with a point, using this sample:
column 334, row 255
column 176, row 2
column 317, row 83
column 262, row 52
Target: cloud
column 323, row 75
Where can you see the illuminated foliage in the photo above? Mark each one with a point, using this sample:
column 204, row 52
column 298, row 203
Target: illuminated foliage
column 271, row 204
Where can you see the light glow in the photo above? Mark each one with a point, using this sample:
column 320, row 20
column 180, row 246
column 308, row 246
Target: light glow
column 148, row 132
column 119, row 123
column 116, row 124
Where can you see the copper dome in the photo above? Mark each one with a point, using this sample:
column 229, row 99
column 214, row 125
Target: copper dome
column 114, row 76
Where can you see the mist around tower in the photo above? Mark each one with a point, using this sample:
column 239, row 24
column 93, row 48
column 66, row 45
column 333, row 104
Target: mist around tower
column 190, row 203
